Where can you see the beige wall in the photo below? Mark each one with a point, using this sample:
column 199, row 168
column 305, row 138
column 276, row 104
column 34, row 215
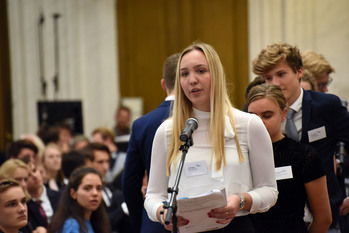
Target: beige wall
column 88, row 52
column 87, row 57
column 318, row 25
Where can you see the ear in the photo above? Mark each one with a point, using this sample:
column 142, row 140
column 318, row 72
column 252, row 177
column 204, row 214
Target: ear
column 300, row 73
column 73, row 193
column 163, row 85
column 284, row 114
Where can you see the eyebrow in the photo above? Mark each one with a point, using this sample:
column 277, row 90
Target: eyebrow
column 195, row 66
column 13, row 200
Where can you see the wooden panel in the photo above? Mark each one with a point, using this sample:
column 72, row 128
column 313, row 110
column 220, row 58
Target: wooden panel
column 149, row 31
column 5, row 86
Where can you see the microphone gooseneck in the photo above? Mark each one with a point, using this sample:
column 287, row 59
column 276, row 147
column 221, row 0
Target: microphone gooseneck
column 190, row 125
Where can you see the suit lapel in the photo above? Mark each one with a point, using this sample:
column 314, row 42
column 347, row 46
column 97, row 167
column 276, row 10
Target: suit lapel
column 306, row 115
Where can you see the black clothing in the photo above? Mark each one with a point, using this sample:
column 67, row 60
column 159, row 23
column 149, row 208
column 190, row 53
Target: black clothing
column 287, row 214
column 237, row 225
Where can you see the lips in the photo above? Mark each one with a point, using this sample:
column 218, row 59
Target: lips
column 195, row 90
column 22, row 217
column 95, row 202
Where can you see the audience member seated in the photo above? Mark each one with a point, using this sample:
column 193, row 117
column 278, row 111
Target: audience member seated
column 76, row 212
column 78, row 142
column 19, row 171
column 23, row 149
column 13, row 208
column 43, row 200
column 74, row 159
column 106, row 136
column 37, row 142
column 48, row 133
column 64, row 136
column 112, row 197
column 52, row 163
column 122, row 121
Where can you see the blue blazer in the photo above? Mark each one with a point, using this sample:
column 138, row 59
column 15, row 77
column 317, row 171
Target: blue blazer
column 137, row 161
column 318, row 110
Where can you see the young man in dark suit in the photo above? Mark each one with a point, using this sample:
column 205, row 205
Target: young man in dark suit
column 43, row 202
column 139, row 152
column 320, row 119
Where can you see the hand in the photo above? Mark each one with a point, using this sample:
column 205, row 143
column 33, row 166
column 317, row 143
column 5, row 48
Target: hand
column 344, row 208
column 227, row 213
column 180, row 221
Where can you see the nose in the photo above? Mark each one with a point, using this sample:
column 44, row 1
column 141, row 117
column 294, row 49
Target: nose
column 94, row 192
column 23, row 184
column 275, row 82
column 22, row 207
column 193, row 79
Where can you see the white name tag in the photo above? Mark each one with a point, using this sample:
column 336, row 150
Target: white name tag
column 196, row 168
column 317, row 134
column 283, row 173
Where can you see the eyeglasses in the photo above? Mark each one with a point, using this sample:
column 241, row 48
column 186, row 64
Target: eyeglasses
column 325, row 84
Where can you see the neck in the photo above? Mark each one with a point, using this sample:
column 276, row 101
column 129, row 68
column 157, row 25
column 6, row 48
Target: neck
column 52, row 174
column 277, row 137
column 294, row 97
column 9, row 230
column 87, row 215
column 36, row 193
column 170, row 92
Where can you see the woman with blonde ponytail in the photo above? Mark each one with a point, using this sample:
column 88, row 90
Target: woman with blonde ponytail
column 232, row 148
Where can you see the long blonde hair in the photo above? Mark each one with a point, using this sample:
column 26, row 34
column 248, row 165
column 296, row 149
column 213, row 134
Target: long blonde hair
column 220, row 106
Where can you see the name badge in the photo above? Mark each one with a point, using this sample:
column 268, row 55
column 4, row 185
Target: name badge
column 283, row 173
column 317, row 134
column 196, row 168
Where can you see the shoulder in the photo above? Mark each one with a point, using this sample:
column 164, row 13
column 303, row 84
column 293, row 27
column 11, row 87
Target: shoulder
column 156, row 116
column 165, row 126
column 70, row 225
column 300, row 150
column 245, row 119
column 324, row 98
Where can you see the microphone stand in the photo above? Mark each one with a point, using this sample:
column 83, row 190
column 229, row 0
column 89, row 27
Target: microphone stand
column 172, row 205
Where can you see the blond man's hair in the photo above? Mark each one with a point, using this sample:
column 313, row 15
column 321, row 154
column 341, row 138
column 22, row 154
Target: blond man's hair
column 220, row 107
column 269, row 57
column 316, row 64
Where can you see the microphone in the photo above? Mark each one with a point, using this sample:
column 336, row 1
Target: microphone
column 191, row 125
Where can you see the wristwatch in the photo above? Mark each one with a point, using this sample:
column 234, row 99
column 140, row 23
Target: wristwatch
column 242, row 200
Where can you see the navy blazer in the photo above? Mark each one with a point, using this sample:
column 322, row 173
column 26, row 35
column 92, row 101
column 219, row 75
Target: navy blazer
column 137, row 161
column 318, row 110
column 34, row 217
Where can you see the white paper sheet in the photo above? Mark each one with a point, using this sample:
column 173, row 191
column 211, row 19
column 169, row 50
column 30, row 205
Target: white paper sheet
column 196, row 208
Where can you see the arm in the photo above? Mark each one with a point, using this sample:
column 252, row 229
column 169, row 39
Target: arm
column 320, row 205
column 158, row 180
column 264, row 193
